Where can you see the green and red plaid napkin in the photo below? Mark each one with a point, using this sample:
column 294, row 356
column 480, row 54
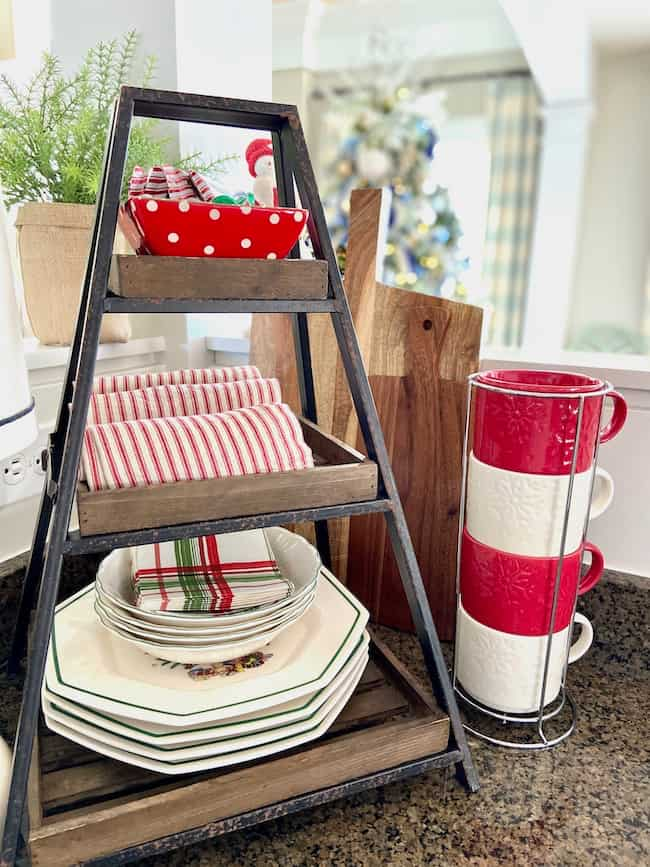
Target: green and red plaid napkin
column 216, row 574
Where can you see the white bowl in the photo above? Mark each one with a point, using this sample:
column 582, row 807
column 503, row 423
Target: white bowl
column 189, row 639
column 297, row 560
column 203, row 654
column 182, row 634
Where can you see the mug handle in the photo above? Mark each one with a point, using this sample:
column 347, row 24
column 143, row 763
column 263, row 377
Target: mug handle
column 617, row 420
column 595, row 571
column 582, row 645
column 603, row 493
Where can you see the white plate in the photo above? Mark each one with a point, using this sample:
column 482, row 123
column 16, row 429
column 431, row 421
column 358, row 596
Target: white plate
column 190, row 639
column 201, row 749
column 297, row 560
column 221, row 761
column 88, row 665
column 217, row 631
column 201, row 654
column 158, row 735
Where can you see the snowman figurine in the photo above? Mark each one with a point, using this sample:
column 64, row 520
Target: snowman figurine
column 259, row 156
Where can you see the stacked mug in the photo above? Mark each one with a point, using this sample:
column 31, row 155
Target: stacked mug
column 525, row 424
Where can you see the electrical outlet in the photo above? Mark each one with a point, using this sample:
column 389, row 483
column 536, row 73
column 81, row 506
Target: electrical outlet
column 21, row 475
column 14, row 470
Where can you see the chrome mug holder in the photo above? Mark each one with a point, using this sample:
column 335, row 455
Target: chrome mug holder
column 539, row 739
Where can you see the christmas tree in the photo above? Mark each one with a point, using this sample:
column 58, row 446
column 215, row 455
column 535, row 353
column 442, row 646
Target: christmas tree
column 390, row 144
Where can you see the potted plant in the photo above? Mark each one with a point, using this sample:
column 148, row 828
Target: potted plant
column 52, row 137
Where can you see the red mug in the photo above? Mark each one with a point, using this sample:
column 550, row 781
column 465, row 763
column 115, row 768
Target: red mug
column 514, row 593
column 537, row 434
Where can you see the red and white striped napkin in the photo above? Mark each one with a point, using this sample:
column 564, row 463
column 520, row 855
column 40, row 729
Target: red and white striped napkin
column 260, row 439
column 162, row 401
column 200, row 376
column 223, row 573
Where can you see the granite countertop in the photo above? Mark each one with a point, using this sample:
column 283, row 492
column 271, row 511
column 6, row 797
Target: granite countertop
column 586, row 802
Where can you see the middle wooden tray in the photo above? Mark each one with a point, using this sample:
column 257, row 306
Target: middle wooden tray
column 341, row 475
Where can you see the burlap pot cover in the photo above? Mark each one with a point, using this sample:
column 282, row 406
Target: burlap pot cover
column 53, row 241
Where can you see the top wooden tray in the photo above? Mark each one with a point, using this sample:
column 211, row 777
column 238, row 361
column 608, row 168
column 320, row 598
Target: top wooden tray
column 182, row 277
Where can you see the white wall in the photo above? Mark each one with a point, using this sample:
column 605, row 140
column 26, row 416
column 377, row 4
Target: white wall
column 614, row 241
column 76, row 27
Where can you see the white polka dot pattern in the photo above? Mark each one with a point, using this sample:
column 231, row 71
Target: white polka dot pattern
column 297, row 217
column 246, row 242
column 183, row 206
column 246, row 209
column 274, row 218
column 272, row 256
column 208, row 249
column 214, row 214
column 152, row 205
column 173, row 237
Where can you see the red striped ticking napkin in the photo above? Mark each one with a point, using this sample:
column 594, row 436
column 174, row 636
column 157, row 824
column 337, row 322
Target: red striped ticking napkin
column 201, row 376
column 222, row 573
column 170, row 400
column 129, row 454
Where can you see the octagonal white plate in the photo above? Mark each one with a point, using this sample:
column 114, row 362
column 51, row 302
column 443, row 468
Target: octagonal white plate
column 215, row 747
column 158, row 735
column 91, row 666
column 231, row 758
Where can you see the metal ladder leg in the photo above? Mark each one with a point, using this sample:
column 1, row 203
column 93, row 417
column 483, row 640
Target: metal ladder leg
column 47, row 597
column 282, row 150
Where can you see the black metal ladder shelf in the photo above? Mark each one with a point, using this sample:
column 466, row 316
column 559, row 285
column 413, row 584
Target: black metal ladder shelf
column 52, row 538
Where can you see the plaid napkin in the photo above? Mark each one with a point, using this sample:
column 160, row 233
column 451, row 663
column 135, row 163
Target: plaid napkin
column 201, row 376
column 128, row 454
column 162, row 401
column 212, row 573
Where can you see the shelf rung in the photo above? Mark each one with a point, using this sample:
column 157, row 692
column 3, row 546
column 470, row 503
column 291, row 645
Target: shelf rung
column 77, row 544
column 115, row 304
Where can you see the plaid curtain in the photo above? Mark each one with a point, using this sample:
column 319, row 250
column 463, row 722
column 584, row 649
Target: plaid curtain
column 513, row 111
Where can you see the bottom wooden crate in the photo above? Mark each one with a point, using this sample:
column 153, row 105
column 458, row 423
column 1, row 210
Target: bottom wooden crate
column 83, row 806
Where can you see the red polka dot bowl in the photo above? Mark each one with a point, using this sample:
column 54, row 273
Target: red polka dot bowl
column 170, row 227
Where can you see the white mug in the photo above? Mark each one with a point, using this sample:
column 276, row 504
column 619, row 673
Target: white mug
column 523, row 513
column 505, row 672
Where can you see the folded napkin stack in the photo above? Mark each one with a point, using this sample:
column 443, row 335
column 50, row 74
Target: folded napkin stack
column 131, row 454
column 163, row 401
column 183, row 425
column 208, row 574
column 200, row 376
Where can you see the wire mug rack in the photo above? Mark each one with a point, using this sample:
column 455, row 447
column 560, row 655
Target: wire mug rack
column 533, row 725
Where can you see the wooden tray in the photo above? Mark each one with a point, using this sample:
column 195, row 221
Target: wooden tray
column 182, row 277
column 341, row 475
column 83, row 806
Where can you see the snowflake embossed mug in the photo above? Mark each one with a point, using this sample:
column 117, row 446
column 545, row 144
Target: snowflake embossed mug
column 514, row 594
column 523, row 513
column 527, row 433
column 505, row 672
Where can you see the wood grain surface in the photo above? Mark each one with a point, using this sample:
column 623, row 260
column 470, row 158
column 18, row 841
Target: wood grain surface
column 418, row 352
column 185, row 277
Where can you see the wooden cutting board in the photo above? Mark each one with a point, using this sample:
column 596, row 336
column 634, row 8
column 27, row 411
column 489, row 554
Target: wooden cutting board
column 418, row 352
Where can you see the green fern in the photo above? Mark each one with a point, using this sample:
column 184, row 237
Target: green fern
column 53, row 131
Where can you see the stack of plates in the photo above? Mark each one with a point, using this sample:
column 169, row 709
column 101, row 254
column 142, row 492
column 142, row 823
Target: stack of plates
column 103, row 692
column 200, row 638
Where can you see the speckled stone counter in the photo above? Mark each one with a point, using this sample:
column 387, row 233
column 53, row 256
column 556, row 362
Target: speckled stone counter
column 585, row 802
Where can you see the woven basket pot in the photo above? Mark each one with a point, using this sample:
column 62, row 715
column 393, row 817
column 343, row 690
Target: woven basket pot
column 53, row 241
